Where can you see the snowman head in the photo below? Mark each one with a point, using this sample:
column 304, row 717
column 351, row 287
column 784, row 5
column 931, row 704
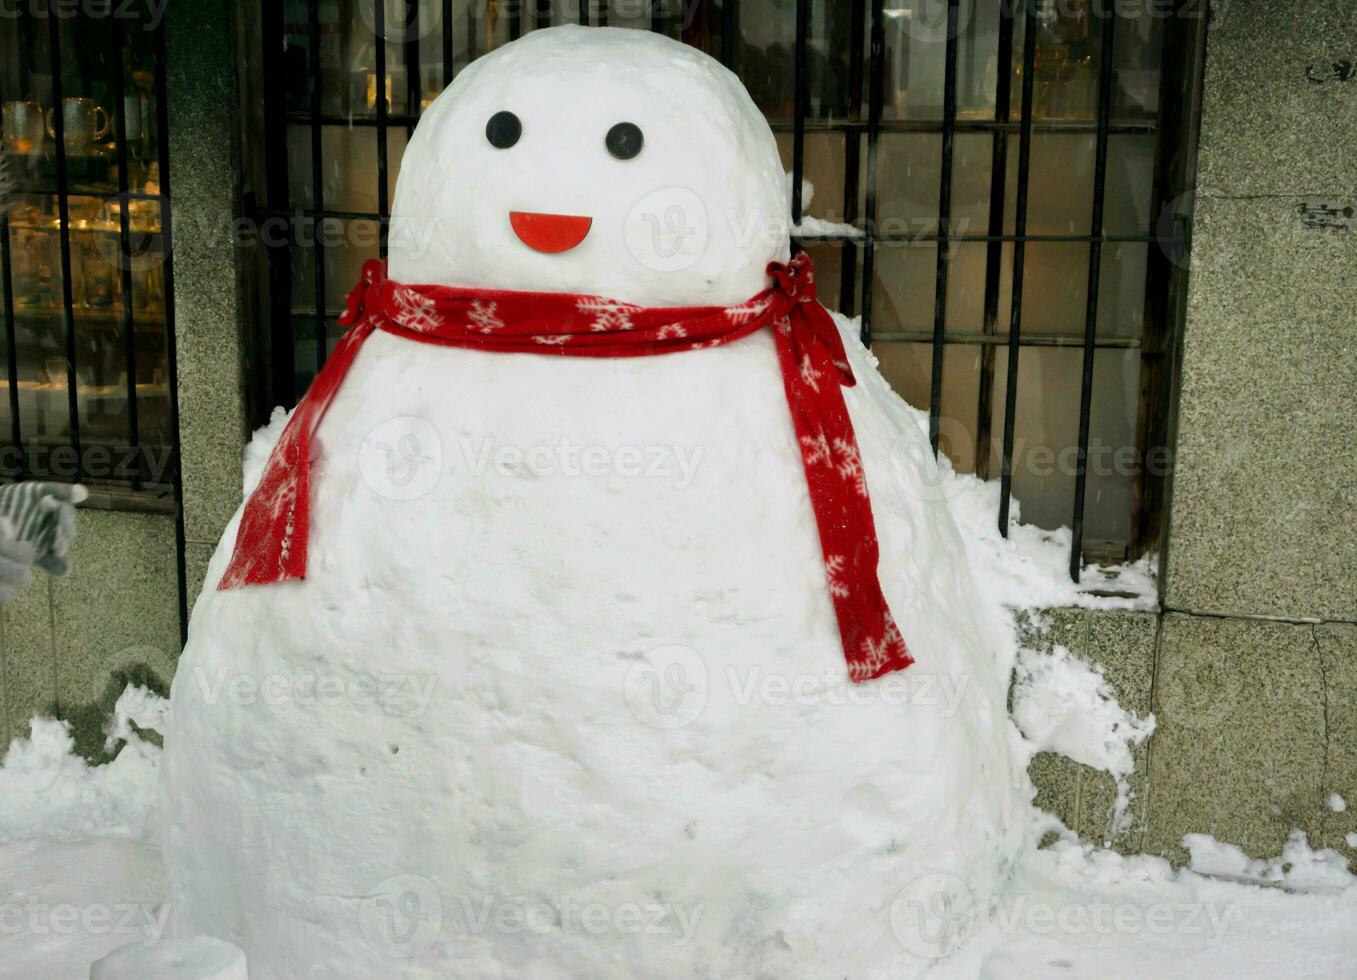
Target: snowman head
column 601, row 161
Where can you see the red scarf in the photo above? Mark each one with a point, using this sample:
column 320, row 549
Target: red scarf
column 272, row 540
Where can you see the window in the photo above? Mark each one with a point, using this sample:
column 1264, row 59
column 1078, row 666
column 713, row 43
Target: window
column 83, row 269
column 989, row 185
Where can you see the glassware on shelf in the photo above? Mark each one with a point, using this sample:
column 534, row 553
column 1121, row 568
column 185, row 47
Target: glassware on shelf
column 36, row 257
column 24, row 126
column 84, row 123
column 94, row 251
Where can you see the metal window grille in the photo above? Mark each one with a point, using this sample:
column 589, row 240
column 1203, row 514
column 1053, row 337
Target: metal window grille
column 292, row 62
column 85, row 266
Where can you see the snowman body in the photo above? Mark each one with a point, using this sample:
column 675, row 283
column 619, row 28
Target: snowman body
column 562, row 693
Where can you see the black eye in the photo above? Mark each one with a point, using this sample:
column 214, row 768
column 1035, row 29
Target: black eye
column 503, row 130
column 624, row 140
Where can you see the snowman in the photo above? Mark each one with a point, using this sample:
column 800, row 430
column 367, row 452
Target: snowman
column 518, row 663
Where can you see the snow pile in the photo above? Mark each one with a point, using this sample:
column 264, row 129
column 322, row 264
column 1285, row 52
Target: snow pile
column 1030, row 568
column 1078, row 911
column 1300, row 868
column 200, row 958
column 51, row 793
column 1064, row 704
column 79, row 875
column 259, row 447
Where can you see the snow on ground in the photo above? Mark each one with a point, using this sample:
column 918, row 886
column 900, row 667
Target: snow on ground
column 80, row 874
column 76, row 883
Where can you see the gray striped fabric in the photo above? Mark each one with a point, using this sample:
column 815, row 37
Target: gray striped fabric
column 37, row 526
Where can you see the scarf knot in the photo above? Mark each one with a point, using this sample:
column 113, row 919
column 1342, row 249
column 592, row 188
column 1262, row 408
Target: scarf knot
column 356, row 303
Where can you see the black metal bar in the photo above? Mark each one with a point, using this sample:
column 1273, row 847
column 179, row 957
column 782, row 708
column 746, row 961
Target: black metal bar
column 11, row 343
column 1166, row 274
column 318, row 175
column 1095, row 255
column 801, row 84
column 730, row 21
column 915, row 239
column 11, row 351
column 852, row 155
column 541, row 13
column 944, row 224
column 282, row 354
column 64, row 229
column 383, row 208
column 584, row 13
column 875, row 86
column 414, row 87
column 447, row 44
column 657, row 16
column 515, row 19
column 994, row 251
column 1029, row 50
column 171, row 350
column 1030, row 339
column 124, row 243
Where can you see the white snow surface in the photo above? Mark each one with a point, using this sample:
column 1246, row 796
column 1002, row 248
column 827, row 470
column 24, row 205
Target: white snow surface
column 197, row 958
column 1069, row 911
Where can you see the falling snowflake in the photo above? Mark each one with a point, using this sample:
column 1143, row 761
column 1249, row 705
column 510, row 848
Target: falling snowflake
column 482, row 316
column 816, row 449
column 849, row 464
column 747, row 310
column 608, row 314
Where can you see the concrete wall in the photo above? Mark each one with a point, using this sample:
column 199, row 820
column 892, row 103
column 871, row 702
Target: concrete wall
column 1252, row 667
column 67, row 646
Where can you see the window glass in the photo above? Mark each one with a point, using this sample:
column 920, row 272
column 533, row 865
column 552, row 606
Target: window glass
column 103, row 327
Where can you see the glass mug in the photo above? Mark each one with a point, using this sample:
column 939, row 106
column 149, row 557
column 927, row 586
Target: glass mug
column 23, row 126
column 81, row 123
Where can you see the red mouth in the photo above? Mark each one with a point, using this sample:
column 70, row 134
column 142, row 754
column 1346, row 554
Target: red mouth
column 550, row 233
